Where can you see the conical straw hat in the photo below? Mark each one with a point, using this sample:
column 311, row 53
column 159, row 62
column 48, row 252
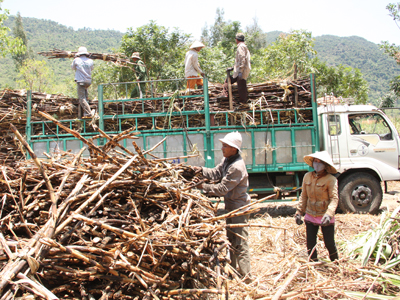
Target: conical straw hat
column 323, row 156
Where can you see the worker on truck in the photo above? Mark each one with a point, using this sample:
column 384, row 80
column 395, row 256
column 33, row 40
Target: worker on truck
column 141, row 75
column 233, row 183
column 241, row 69
column 83, row 67
column 318, row 201
column 192, row 67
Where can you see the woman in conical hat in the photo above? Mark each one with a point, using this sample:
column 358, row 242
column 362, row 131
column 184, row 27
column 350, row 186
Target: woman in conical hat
column 318, row 202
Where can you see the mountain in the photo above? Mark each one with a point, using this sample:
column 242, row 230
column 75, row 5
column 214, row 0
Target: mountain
column 44, row 35
column 378, row 68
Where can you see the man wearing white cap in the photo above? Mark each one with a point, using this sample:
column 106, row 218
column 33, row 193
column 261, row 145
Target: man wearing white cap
column 233, row 183
column 192, row 68
column 318, row 201
column 83, row 67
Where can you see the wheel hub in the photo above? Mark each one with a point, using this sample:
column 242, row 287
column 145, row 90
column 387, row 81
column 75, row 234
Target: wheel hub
column 361, row 196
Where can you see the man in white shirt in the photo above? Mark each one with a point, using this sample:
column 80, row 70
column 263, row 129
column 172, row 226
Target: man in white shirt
column 192, row 68
column 83, row 67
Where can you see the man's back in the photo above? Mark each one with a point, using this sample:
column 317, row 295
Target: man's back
column 83, row 67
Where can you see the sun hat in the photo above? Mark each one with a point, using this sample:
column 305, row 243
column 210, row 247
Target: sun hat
column 323, row 156
column 82, row 51
column 197, row 44
column 240, row 36
column 233, row 139
column 135, row 55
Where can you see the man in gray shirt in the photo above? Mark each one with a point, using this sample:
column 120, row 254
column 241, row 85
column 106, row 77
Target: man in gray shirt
column 83, row 67
column 233, row 183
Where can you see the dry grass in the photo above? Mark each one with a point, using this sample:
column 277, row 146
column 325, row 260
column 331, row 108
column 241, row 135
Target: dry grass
column 279, row 258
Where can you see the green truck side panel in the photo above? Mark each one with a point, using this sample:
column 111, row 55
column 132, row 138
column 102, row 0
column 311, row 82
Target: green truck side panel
column 263, row 144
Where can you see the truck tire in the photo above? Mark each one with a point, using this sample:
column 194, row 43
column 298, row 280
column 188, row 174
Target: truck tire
column 360, row 193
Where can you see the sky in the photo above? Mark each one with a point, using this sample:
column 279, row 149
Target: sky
column 365, row 18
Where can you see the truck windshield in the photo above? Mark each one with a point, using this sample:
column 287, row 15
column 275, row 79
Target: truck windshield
column 371, row 123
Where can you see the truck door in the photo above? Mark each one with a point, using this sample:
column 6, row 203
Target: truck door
column 372, row 138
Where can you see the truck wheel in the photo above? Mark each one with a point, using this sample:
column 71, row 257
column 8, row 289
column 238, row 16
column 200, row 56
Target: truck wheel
column 360, row 193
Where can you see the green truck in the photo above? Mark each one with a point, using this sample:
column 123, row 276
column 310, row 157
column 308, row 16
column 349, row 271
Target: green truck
column 361, row 139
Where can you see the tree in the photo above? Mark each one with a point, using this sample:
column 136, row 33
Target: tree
column 391, row 49
column 342, row 81
column 388, row 100
column 8, row 44
column 34, row 75
column 279, row 60
column 256, row 38
column 222, row 33
column 214, row 61
column 162, row 51
column 19, row 32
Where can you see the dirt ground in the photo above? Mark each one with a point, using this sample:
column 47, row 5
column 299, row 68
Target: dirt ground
column 275, row 252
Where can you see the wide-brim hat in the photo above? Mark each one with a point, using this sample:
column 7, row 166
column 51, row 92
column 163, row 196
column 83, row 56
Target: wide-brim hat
column 233, row 139
column 323, row 156
column 82, row 51
column 135, row 55
column 197, row 44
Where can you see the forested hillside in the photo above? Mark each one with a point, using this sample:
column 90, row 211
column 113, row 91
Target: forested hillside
column 44, row 35
column 378, row 69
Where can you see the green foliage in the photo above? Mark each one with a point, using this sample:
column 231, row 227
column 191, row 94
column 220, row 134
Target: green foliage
column 356, row 52
column 378, row 247
column 394, row 11
column 279, row 59
column 163, row 52
column 256, row 38
column 341, row 81
column 388, row 100
column 391, row 49
column 222, row 34
column 45, row 35
column 214, row 62
column 34, row 75
column 8, row 44
column 19, row 32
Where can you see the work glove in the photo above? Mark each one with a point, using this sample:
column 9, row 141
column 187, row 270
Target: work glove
column 325, row 220
column 298, row 219
column 240, row 75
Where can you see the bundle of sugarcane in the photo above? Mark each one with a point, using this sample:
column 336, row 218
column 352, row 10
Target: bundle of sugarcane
column 264, row 96
column 118, row 59
column 118, row 224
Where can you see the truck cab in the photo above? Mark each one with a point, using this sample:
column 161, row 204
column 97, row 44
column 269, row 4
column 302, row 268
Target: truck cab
column 364, row 146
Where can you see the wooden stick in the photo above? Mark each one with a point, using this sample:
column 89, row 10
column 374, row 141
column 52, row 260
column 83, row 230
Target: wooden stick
column 45, row 177
column 288, row 280
column 97, row 193
column 77, row 135
column 241, row 209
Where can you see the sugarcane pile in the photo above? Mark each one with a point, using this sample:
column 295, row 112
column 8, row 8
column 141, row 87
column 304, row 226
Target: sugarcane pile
column 266, row 97
column 13, row 106
column 262, row 97
column 115, row 225
column 118, row 59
